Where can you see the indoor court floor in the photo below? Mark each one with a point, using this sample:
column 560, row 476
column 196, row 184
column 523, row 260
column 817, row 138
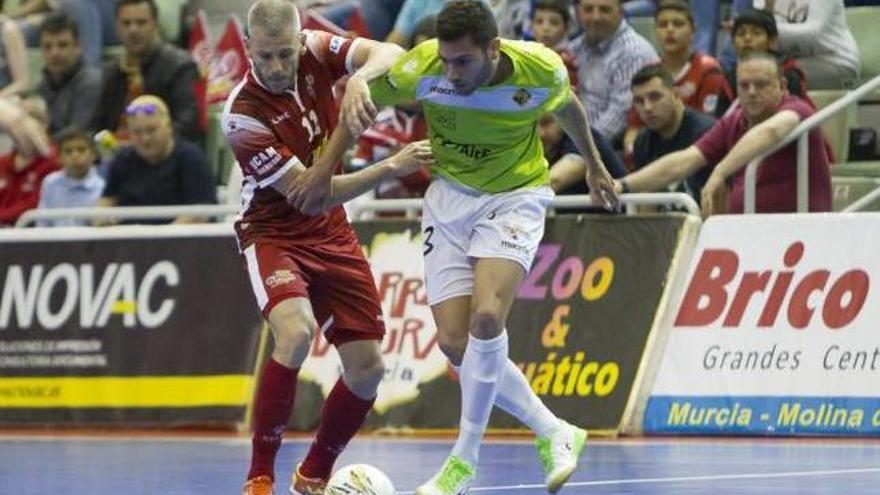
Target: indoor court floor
column 214, row 465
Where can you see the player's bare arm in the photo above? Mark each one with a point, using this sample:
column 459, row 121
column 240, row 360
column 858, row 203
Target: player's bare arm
column 347, row 186
column 371, row 59
column 572, row 117
column 311, row 191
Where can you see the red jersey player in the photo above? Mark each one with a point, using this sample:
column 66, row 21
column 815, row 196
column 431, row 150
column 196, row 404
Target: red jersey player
column 307, row 272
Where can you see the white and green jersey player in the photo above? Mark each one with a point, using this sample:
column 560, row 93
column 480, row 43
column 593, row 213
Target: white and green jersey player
column 483, row 215
column 487, row 140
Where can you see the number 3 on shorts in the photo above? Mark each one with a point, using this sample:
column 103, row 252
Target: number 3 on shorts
column 429, row 231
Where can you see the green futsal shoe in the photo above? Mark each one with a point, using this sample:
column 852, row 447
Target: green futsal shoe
column 559, row 453
column 454, row 478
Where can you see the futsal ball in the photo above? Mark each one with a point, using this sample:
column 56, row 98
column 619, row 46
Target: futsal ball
column 359, row 479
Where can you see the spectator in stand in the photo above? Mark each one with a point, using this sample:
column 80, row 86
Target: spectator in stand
column 754, row 31
column 93, row 17
column 69, row 86
column 551, row 22
column 77, row 184
column 669, row 125
column 22, row 171
column 707, row 18
column 699, row 78
column 157, row 168
column 608, row 54
column 814, row 32
column 14, row 75
column 766, row 115
column 147, row 66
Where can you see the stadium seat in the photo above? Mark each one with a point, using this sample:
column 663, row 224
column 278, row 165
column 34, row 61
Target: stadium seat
column 846, row 190
column 837, row 127
column 645, row 27
column 864, row 22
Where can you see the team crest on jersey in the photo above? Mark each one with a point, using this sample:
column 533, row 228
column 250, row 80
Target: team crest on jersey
column 280, row 277
column 522, row 96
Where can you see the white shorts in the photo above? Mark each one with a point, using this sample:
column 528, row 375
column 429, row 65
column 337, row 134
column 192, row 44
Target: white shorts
column 460, row 224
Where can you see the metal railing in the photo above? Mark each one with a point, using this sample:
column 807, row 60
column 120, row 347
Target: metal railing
column 125, row 213
column 801, row 134
column 356, row 209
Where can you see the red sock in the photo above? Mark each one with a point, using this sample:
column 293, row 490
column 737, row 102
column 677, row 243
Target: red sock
column 272, row 407
column 341, row 417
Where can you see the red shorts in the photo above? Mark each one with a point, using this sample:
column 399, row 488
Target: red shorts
column 335, row 278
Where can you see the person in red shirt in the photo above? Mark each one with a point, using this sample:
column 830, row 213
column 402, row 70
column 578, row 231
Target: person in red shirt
column 305, row 264
column 767, row 113
column 22, row 171
column 20, row 178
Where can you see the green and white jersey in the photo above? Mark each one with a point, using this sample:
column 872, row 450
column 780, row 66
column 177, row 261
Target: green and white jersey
column 487, row 140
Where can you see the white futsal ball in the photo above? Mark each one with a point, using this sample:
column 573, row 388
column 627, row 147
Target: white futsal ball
column 359, row 479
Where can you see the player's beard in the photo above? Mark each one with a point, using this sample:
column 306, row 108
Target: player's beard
column 279, row 82
column 483, row 78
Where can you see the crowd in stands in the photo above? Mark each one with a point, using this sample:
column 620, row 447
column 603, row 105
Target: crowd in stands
column 684, row 108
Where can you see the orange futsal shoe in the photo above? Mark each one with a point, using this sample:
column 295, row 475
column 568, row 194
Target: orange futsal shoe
column 300, row 485
column 261, row 485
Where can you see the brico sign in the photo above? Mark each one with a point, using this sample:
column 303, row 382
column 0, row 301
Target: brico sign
column 720, row 290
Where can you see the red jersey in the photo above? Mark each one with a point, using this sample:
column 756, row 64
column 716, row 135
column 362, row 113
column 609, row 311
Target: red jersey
column 20, row 189
column 270, row 134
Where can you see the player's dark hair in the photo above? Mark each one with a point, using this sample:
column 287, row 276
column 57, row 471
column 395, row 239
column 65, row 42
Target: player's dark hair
column 460, row 18
column 645, row 74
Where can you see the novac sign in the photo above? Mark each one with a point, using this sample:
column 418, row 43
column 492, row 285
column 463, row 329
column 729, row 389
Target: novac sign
column 28, row 294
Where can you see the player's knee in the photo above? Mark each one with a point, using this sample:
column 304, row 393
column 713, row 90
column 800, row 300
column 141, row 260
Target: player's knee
column 486, row 323
column 292, row 331
column 364, row 379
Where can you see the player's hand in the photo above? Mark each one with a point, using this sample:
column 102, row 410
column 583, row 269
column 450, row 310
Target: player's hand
column 602, row 189
column 358, row 110
column 411, row 158
column 713, row 196
column 311, row 192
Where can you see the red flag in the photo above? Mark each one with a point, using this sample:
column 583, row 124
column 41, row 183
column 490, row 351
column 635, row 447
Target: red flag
column 202, row 53
column 230, row 62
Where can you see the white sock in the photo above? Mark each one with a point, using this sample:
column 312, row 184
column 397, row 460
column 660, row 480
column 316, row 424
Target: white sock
column 516, row 397
column 481, row 368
